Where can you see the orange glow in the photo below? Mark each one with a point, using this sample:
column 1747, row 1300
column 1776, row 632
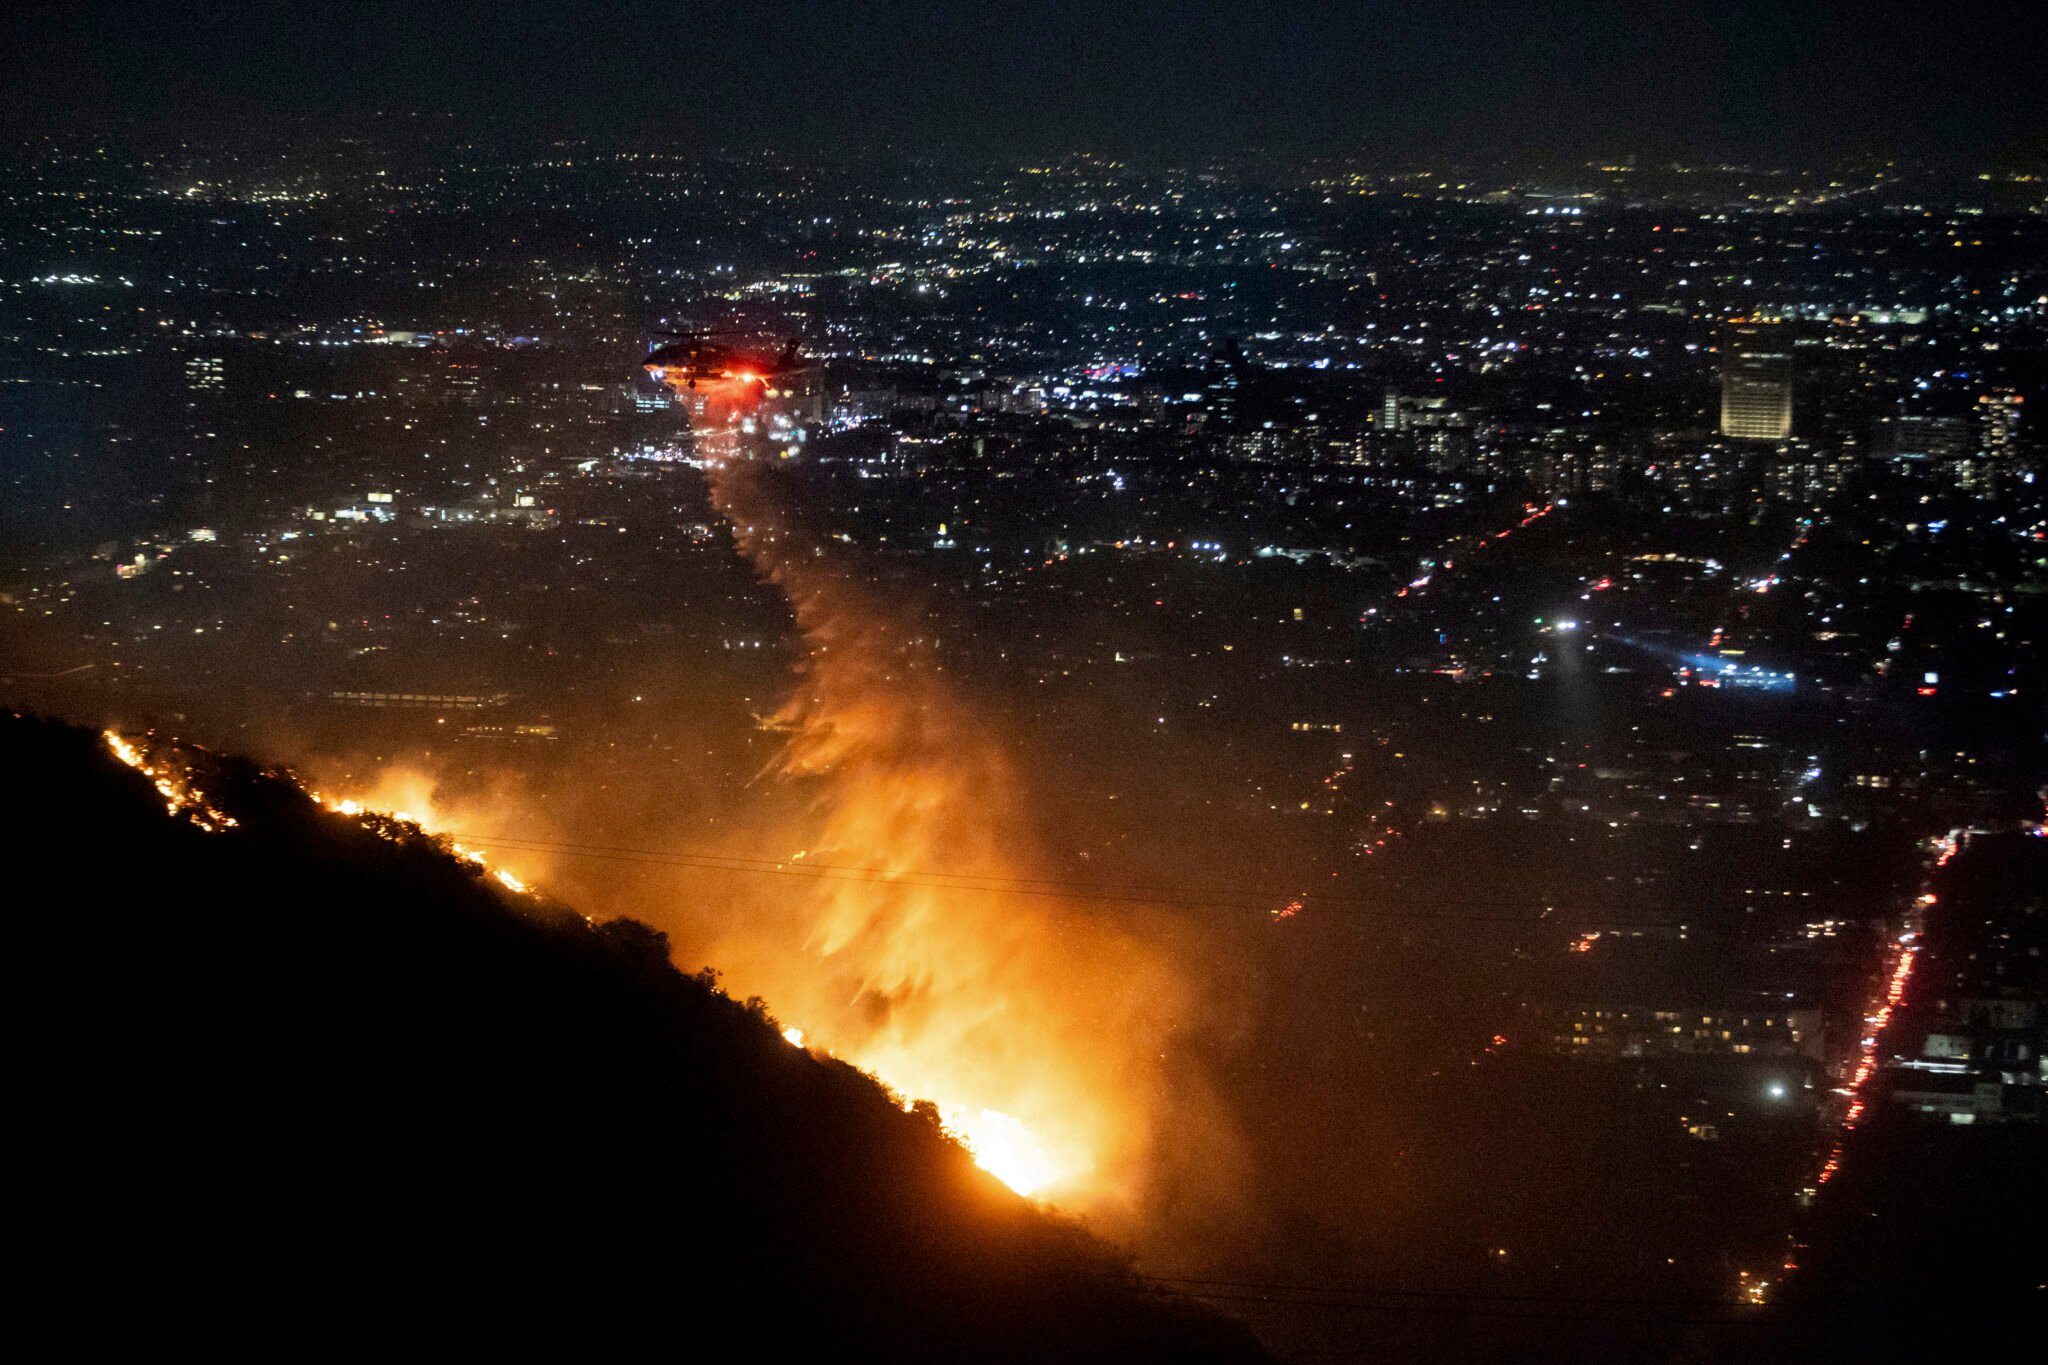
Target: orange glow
column 1037, row 1028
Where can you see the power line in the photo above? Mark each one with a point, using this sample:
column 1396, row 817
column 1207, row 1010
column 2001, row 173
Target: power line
column 1064, row 889
column 929, row 881
column 1447, row 1310
column 1471, row 1295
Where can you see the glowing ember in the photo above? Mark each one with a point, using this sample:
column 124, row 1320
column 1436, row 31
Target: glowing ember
column 125, row 751
column 793, row 1036
column 180, row 796
column 401, row 823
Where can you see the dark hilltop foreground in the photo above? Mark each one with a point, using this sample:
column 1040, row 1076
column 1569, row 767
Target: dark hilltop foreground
column 295, row 1084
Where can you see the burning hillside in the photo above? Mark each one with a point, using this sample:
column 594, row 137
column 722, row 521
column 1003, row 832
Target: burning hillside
column 388, row 1090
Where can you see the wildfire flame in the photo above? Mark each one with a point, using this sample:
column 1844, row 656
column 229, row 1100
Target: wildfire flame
column 999, row 1142
column 1003, row 1147
column 399, row 823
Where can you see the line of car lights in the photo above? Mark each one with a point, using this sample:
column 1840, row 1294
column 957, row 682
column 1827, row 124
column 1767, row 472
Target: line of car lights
column 1902, row 954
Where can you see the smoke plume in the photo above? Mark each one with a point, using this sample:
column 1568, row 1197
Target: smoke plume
column 1037, row 1026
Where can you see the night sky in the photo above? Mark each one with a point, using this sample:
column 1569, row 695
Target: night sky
column 1786, row 80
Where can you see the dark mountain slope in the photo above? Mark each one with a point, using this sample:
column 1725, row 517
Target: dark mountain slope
column 296, row 1085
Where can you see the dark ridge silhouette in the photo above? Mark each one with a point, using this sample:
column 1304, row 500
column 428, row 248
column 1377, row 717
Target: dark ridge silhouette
column 296, row 1085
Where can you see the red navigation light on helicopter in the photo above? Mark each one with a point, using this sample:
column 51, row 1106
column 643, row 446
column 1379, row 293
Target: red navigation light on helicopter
column 694, row 358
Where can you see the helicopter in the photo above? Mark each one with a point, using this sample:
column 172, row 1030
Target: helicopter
column 693, row 357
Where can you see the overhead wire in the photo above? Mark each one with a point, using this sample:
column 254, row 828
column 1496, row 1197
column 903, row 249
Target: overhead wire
column 1245, row 898
column 1473, row 1295
column 1529, row 1314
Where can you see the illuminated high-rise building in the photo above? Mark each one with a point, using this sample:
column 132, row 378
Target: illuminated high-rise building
column 1998, row 417
column 204, row 374
column 1996, row 464
column 1404, row 413
column 1756, row 382
column 1429, row 429
column 1920, row 439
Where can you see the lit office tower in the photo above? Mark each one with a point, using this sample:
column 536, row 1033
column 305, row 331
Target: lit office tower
column 1756, row 383
column 1998, row 445
column 203, row 374
column 1998, row 417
